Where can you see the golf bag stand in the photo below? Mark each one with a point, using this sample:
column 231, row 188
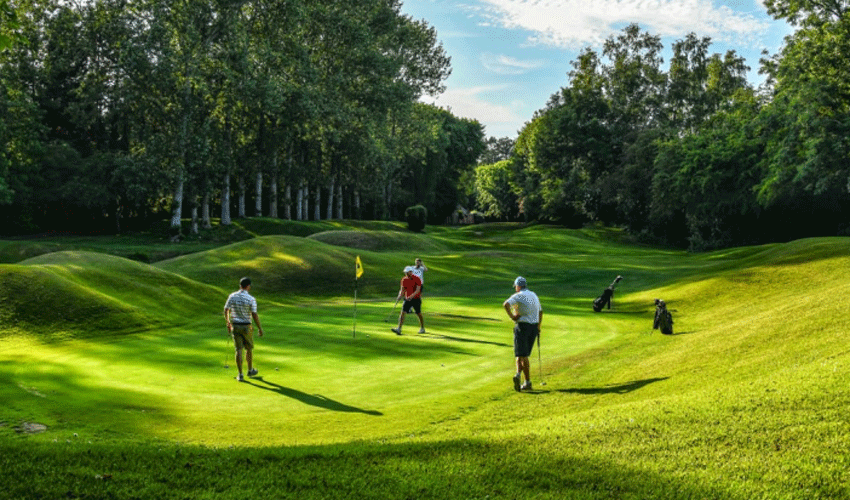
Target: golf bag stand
column 663, row 318
column 605, row 299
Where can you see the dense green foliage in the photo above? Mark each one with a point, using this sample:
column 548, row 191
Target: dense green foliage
column 115, row 112
column 692, row 155
column 117, row 388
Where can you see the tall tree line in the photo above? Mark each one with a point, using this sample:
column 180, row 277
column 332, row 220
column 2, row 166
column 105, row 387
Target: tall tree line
column 692, row 154
column 118, row 110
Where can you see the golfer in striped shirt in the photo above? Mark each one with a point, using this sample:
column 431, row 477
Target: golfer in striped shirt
column 239, row 310
column 524, row 308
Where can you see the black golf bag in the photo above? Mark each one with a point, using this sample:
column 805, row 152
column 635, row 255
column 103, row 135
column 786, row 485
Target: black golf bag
column 663, row 318
column 605, row 299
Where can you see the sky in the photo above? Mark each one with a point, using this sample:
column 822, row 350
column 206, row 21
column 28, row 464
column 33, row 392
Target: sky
column 509, row 56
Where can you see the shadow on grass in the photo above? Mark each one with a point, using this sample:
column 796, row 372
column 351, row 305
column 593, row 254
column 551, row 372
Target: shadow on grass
column 615, row 389
column 460, row 339
column 542, row 468
column 309, row 399
column 460, row 316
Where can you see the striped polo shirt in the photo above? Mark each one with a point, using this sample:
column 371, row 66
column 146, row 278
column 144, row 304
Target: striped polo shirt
column 241, row 305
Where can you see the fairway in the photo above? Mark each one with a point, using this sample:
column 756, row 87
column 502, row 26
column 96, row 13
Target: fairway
column 112, row 355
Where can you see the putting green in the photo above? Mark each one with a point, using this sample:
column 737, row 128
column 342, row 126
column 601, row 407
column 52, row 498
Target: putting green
column 320, row 381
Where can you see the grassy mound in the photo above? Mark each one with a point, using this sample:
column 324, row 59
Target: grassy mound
column 16, row 251
column 81, row 294
column 288, row 265
column 264, row 226
column 378, row 241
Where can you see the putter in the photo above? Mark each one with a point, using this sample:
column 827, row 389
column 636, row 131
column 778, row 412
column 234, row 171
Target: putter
column 392, row 310
column 539, row 362
column 225, row 357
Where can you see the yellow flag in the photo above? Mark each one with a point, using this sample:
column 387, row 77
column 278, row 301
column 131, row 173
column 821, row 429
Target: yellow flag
column 358, row 267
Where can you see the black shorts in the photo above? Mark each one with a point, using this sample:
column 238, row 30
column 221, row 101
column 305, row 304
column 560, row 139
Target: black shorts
column 412, row 304
column 524, row 336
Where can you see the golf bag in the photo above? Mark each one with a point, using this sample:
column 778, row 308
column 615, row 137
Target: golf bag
column 605, row 299
column 663, row 318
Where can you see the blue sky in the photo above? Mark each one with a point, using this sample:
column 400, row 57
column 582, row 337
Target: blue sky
column 509, row 56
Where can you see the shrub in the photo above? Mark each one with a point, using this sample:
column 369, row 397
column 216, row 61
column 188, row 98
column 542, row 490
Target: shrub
column 416, row 217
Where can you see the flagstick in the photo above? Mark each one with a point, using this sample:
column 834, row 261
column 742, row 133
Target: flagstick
column 354, row 330
column 358, row 271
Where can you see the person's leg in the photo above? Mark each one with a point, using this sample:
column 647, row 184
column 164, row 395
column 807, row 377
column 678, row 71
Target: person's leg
column 249, row 358
column 525, row 367
column 421, row 322
column 239, row 360
column 517, row 377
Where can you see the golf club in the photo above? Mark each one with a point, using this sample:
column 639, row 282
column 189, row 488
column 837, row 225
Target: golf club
column 539, row 362
column 225, row 357
column 392, row 310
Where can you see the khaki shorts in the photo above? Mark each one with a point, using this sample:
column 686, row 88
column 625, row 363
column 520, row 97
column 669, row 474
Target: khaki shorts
column 243, row 337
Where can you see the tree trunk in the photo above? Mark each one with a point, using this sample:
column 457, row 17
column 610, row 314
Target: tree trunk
column 299, row 204
column 339, row 202
column 177, row 208
column 241, row 185
column 287, row 202
column 273, row 187
column 225, row 201
column 206, row 223
column 331, row 192
column 357, row 213
column 194, row 218
column 258, row 202
column 317, row 203
column 305, row 201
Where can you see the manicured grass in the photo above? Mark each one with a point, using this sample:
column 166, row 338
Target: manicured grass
column 747, row 400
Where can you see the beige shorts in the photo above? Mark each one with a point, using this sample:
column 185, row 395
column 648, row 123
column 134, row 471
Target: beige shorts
column 243, row 337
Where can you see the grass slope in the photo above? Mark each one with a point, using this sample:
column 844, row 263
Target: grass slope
column 81, row 294
column 747, row 400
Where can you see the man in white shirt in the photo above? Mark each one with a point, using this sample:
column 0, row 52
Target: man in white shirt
column 524, row 308
column 419, row 271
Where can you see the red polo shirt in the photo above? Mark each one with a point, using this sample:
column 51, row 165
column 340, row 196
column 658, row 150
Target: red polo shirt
column 409, row 285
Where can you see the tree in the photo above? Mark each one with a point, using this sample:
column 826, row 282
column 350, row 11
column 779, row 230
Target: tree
column 703, row 185
column 807, row 122
column 493, row 190
column 496, row 150
column 807, row 12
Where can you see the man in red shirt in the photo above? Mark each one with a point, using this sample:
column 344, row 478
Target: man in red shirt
column 411, row 288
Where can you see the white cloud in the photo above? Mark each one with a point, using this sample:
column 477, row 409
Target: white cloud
column 506, row 65
column 577, row 23
column 500, row 118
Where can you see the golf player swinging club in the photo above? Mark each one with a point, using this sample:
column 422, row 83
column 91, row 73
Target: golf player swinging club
column 528, row 319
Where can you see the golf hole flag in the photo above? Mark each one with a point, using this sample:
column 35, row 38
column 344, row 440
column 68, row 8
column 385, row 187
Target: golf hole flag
column 358, row 268
column 358, row 272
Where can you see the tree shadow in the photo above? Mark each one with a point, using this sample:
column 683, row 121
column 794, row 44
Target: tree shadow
column 309, row 399
column 615, row 389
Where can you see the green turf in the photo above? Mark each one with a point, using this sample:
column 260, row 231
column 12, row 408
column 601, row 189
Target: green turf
column 124, row 363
